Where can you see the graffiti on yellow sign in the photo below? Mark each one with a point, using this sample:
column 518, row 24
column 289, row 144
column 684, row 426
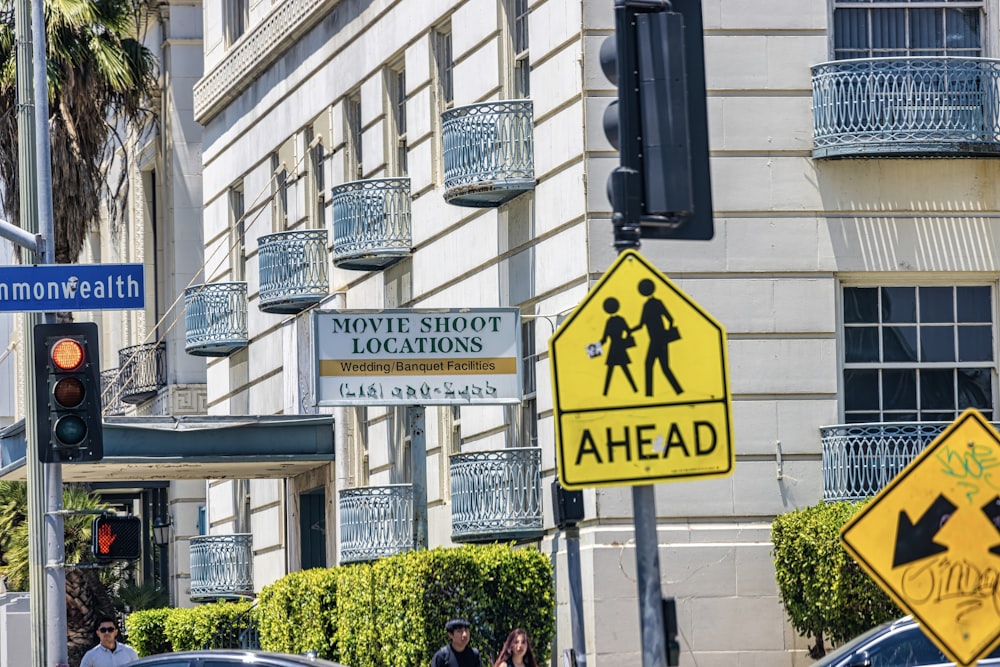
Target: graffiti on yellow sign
column 931, row 539
column 640, row 383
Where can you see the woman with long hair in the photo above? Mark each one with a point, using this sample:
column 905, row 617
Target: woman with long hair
column 516, row 651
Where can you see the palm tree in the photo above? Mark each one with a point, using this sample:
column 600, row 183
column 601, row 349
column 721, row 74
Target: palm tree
column 100, row 82
column 87, row 595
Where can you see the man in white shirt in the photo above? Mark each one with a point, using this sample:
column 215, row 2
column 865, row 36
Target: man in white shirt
column 110, row 652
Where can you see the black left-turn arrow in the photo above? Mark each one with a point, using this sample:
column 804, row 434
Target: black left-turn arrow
column 992, row 511
column 916, row 540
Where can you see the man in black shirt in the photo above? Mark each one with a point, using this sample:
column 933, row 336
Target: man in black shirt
column 457, row 653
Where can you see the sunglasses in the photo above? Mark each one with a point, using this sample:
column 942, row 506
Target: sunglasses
column 111, row 629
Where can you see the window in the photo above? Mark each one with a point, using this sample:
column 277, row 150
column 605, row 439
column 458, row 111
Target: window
column 236, row 16
column 237, row 228
column 352, row 137
column 357, row 424
column 444, row 68
column 529, row 410
column 516, row 28
column 401, row 441
column 917, row 353
column 315, row 179
column 882, row 29
column 909, row 647
column 443, row 87
column 396, row 89
column 279, row 195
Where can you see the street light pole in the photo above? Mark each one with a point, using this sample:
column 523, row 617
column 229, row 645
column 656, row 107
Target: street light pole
column 46, row 576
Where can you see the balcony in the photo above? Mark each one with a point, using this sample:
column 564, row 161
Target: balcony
column 860, row 459
column 906, row 107
column 216, row 318
column 496, row 495
column 142, row 371
column 293, row 270
column 375, row 522
column 371, row 223
column 221, row 567
column 111, row 393
column 488, row 153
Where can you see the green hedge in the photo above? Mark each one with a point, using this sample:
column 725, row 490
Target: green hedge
column 390, row 613
column 147, row 631
column 162, row 630
column 824, row 591
column 404, row 601
column 299, row 613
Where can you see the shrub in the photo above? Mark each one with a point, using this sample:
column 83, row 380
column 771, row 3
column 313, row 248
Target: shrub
column 147, row 631
column 190, row 629
column 824, row 591
column 390, row 613
column 298, row 613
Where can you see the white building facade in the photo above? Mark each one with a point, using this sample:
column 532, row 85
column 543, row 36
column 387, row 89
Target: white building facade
column 441, row 154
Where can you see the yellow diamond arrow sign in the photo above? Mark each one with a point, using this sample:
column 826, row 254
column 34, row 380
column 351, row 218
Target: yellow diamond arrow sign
column 931, row 539
column 640, row 383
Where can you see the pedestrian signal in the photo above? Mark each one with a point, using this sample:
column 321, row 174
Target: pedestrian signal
column 117, row 538
column 68, row 393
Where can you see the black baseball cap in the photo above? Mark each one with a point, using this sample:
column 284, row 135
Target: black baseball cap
column 455, row 624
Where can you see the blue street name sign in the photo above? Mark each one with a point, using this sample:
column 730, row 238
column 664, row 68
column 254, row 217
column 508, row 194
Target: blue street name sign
column 70, row 287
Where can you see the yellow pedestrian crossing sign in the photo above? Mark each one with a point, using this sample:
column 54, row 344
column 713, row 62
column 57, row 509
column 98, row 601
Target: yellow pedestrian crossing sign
column 641, row 384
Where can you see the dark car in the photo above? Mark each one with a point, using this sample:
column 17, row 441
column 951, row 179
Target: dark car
column 900, row 643
column 230, row 657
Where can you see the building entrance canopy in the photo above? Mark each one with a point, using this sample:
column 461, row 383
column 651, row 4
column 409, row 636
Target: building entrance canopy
column 191, row 447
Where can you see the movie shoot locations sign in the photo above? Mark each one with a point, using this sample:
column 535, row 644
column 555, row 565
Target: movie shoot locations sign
column 417, row 357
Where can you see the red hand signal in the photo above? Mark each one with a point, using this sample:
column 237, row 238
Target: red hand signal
column 105, row 539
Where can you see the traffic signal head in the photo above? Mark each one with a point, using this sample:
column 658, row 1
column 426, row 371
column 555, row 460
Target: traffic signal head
column 117, row 537
column 658, row 122
column 68, row 393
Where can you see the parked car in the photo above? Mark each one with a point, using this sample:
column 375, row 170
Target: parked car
column 228, row 657
column 900, row 643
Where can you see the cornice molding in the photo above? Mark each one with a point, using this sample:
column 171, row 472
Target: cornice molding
column 253, row 52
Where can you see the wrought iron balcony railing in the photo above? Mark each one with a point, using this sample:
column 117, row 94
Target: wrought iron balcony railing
column 216, row 318
column 111, row 393
column 496, row 495
column 488, row 153
column 860, row 459
column 375, row 522
column 143, row 371
column 906, row 107
column 371, row 223
column 221, row 567
column 242, row 632
column 293, row 270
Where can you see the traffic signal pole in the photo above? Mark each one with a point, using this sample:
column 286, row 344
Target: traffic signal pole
column 659, row 190
column 46, row 577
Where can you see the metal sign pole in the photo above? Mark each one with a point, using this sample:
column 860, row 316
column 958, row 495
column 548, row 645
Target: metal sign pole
column 29, row 220
column 647, row 569
column 46, row 577
column 57, row 650
column 418, row 475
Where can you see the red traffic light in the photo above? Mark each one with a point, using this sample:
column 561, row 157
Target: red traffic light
column 117, row 537
column 68, row 392
column 67, row 354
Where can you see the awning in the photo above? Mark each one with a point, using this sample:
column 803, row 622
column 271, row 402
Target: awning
column 191, row 447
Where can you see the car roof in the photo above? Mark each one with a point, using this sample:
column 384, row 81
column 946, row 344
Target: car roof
column 904, row 624
column 242, row 656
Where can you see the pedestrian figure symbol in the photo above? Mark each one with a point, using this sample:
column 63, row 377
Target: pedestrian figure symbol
column 618, row 337
column 653, row 315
